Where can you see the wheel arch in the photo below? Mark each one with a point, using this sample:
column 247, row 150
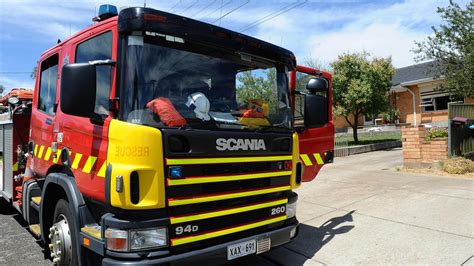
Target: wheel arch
column 60, row 186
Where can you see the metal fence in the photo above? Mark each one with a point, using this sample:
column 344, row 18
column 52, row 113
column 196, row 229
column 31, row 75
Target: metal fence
column 342, row 141
column 341, row 147
column 461, row 138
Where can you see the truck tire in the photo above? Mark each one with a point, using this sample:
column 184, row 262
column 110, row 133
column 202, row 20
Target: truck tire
column 63, row 236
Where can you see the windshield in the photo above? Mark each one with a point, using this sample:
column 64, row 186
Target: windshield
column 173, row 82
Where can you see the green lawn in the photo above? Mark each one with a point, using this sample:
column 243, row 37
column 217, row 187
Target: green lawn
column 343, row 140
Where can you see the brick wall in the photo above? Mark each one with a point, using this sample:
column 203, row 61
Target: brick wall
column 468, row 100
column 340, row 122
column 417, row 152
column 404, row 103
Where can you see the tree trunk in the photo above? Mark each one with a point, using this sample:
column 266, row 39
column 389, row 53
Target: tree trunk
column 354, row 128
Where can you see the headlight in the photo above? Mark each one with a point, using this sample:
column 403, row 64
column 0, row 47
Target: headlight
column 133, row 240
column 291, row 209
column 144, row 239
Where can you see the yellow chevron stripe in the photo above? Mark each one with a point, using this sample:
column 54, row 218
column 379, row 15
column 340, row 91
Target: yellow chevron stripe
column 77, row 160
column 58, row 154
column 102, row 169
column 177, row 202
column 36, row 149
column 200, row 180
column 207, row 215
column 227, row 160
column 306, row 160
column 40, row 152
column 189, row 239
column 48, row 154
column 89, row 164
column 318, row 158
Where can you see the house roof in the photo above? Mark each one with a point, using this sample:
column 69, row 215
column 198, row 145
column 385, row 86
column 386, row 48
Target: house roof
column 421, row 71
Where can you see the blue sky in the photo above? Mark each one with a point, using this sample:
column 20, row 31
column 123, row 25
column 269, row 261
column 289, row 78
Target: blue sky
column 311, row 29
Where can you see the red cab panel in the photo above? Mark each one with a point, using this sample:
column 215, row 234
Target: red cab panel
column 316, row 143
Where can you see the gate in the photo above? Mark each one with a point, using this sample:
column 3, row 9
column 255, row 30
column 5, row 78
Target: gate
column 461, row 138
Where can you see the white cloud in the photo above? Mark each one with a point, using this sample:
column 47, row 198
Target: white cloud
column 382, row 40
column 17, row 82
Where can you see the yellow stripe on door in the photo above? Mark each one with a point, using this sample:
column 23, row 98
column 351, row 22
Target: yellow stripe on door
column 40, row 153
column 77, row 160
column 306, row 160
column 48, row 154
column 318, row 158
column 89, row 164
column 102, row 169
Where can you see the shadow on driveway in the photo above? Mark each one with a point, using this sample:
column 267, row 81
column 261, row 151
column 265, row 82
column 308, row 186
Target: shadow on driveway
column 311, row 239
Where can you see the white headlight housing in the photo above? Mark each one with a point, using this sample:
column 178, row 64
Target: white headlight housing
column 146, row 239
column 291, row 209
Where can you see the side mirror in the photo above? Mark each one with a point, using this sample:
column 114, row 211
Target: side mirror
column 78, row 89
column 316, row 85
column 316, row 103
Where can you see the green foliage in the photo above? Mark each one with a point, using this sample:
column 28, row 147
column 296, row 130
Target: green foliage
column 436, row 132
column 360, row 86
column 391, row 115
column 250, row 86
column 452, row 46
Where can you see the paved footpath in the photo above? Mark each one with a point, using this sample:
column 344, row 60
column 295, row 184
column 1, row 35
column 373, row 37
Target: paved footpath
column 359, row 210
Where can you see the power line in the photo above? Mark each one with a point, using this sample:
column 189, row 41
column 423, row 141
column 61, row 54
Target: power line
column 175, row 5
column 248, row 1
column 212, row 12
column 272, row 15
column 193, row 4
column 204, row 8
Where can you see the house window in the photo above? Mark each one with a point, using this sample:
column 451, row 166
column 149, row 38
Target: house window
column 438, row 103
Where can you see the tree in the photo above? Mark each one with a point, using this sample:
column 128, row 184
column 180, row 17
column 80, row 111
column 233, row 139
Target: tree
column 2, row 89
column 452, row 46
column 360, row 86
column 252, row 85
column 33, row 72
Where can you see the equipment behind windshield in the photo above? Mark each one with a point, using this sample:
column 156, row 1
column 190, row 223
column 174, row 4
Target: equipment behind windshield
column 173, row 82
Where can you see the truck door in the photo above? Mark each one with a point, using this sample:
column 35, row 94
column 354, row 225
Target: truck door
column 316, row 142
column 43, row 119
column 86, row 138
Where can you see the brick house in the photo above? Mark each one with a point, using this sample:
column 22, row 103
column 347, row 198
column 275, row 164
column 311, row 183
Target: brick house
column 414, row 94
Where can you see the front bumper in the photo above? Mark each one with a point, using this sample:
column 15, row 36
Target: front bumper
column 214, row 254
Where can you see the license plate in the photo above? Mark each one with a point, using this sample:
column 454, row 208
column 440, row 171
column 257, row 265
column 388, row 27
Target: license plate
column 241, row 249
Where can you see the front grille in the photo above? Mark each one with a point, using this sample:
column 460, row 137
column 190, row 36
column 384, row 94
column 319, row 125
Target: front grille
column 208, row 205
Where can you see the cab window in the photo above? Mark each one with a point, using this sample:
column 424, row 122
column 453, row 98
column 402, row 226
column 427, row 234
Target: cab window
column 98, row 48
column 47, row 89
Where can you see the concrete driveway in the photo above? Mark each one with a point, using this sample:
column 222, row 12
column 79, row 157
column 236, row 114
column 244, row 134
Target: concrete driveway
column 359, row 210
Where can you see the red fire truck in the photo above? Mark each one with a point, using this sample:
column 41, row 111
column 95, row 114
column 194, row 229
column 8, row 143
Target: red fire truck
column 154, row 138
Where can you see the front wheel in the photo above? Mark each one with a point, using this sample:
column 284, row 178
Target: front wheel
column 63, row 235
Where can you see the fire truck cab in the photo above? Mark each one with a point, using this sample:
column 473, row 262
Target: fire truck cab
column 147, row 141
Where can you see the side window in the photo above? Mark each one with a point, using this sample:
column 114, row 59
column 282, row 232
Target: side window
column 47, row 89
column 302, row 80
column 98, row 48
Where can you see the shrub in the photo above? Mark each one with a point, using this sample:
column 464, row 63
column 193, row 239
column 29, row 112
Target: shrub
column 436, row 132
column 392, row 115
column 458, row 165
